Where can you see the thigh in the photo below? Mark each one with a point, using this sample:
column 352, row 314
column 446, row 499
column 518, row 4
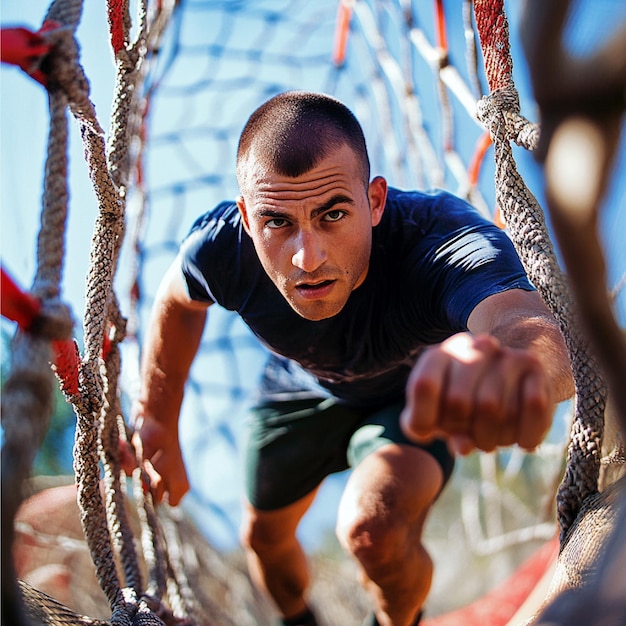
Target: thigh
column 292, row 446
column 382, row 427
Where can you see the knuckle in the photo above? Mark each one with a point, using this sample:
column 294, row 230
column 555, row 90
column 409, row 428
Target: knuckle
column 423, row 386
column 457, row 406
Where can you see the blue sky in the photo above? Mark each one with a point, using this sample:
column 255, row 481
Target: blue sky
column 23, row 134
column 23, row 129
column 23, row 138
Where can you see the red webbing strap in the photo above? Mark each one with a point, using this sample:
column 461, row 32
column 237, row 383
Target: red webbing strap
column 342, row 28
column 115, row 13
column 493, row 31
column 66, row 365
column 440, row 20
column 16, row 305
column 23, row 308
column 26, row 48
column 480, row 150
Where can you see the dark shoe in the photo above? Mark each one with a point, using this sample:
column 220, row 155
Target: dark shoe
column 371, row 620
column 304, row 619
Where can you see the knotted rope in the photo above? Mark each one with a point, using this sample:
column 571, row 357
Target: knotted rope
column 27, row 399
column 95, row 398
column 500, row 114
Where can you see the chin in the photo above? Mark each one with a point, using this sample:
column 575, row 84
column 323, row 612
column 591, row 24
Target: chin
column 315, row 313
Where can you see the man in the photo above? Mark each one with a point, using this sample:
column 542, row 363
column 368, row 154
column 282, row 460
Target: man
column 402, row 328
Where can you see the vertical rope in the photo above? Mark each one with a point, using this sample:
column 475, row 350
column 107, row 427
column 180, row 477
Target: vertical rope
column 67, row 77
column 500, row 113
column 27, row 399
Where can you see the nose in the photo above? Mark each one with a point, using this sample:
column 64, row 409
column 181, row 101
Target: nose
column 310, row 252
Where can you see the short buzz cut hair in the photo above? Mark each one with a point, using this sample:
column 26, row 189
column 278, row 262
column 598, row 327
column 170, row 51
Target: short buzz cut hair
column 293, row 131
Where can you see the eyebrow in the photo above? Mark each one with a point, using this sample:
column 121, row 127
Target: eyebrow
column 329, row 204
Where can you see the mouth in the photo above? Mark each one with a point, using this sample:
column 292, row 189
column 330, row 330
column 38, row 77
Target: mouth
column 316, row 290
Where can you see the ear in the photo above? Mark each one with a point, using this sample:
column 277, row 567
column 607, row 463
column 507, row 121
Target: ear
column 377, row 196
column 241, row 205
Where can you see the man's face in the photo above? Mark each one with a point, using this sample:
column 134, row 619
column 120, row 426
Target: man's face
column 313, row 233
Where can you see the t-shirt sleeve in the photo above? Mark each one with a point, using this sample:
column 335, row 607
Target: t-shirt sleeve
column 466, row 258
column 209, row 254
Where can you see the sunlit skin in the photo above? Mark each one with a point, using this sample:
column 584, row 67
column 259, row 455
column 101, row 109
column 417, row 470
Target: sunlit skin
column 313, row 233
column 495, row 384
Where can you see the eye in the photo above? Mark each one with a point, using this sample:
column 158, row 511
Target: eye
column 276, row 222
column 334, row 216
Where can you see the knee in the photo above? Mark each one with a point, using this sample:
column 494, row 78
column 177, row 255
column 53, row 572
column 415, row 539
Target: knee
column 374, row 541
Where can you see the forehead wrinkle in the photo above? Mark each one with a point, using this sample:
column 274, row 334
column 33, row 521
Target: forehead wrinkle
column 264, row 186
column 296, row 190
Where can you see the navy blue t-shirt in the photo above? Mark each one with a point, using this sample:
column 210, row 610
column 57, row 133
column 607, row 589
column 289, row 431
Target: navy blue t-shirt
column 434, row 258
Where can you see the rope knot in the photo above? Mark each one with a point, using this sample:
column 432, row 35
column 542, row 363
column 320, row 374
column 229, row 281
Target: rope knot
column 499, row 113
column 491, row 110
column 54, row 321
column 60, row 63
column 64, row 73
column 128, row 59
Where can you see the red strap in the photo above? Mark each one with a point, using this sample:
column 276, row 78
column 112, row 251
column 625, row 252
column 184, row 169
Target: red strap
column 473, row 170
column 440, row 20
column 17, row 305
column 342, row 28
column 115, row 12
column 66, row 364
column 23, row 308
column 493, row 29
column 26, row 48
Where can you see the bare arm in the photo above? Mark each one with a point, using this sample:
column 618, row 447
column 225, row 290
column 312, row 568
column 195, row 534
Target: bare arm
column 173, row 338
column 520, row 319
column 496, row 385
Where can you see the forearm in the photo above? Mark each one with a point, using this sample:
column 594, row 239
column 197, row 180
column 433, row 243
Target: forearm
column 520, row 319
column 172, row 341
column 540, row 335
column 171, row 346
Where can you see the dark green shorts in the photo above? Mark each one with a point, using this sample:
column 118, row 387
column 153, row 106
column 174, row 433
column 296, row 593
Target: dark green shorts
column 293, row 445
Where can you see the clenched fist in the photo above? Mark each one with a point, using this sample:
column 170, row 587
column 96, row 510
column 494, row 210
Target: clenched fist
column 477, row 393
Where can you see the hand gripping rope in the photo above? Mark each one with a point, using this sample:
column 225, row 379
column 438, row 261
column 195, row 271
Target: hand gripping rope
column 50, row 55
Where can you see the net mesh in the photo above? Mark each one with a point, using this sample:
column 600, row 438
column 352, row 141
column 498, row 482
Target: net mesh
column 412, row 76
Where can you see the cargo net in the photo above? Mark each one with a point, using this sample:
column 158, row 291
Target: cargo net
column 412, row 73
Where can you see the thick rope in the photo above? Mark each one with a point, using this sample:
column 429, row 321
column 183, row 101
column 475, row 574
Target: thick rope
column 109, row 179
column 31, row 372
column 129, row 77
column 500, row 113
column 27, row 399
column 67, row 77
column 98, row 402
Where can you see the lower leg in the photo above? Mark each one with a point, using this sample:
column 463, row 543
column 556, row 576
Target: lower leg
column 399, row 593
column 283, row 575
column 276, row 560
column 380, row 522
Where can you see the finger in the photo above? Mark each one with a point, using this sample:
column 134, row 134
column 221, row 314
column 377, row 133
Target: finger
column 155, row 481
column 489, row 414
column 514, row 368
column 536, row 410
column 419, row 419
column 170, row 478
column 472, row 369
column 461, row 444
